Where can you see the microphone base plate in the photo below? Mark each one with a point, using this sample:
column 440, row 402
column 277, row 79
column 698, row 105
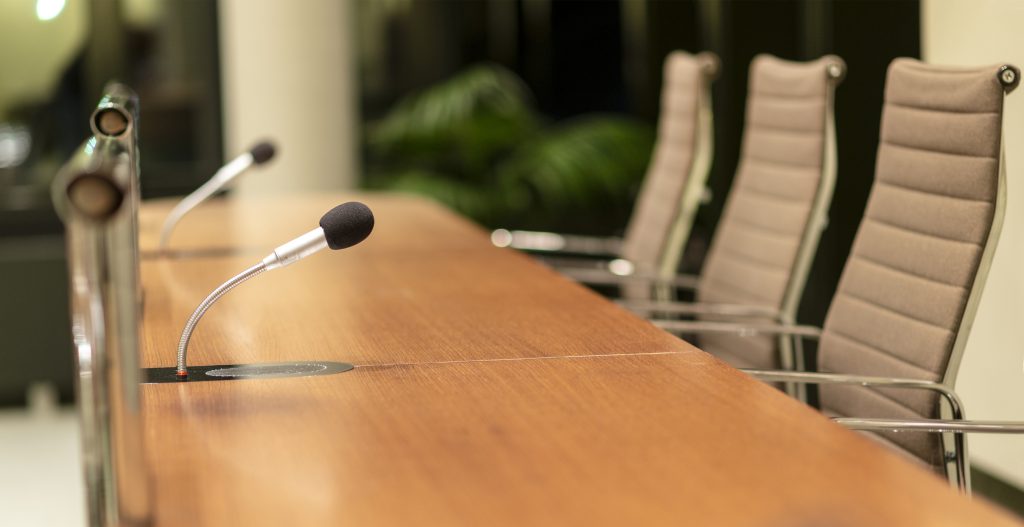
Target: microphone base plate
column 237, row 372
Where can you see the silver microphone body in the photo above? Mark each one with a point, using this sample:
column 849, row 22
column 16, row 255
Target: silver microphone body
column 297, row 249
column 225, row 175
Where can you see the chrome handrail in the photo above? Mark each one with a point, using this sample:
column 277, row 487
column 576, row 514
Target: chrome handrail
column 96, row 192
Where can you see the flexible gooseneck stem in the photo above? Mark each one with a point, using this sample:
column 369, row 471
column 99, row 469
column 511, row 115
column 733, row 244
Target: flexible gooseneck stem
column 190, row 326
column 219, row 180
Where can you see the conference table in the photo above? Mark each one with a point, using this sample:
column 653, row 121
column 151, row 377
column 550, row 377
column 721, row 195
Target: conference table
column 487, row 390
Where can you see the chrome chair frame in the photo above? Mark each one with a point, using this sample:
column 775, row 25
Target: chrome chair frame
column 605, row 262
column 957, row 424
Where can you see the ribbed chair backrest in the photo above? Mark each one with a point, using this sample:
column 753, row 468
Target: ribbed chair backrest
column 769, row 230
column 908, row 292
column 676, row 176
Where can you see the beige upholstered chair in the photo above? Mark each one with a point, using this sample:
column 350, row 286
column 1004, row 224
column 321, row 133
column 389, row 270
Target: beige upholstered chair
column 766, row 239
column 900, row 318
column 672, row 187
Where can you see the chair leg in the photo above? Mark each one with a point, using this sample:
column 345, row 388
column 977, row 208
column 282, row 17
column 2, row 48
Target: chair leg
column 963, row 472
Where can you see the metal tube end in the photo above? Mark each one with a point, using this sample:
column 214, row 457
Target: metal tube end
column 1009, row 77
column 111, row 122
column 95, row 196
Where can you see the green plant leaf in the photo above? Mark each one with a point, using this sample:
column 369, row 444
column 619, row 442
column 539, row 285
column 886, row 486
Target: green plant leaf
column 582, row 174
column 478, row 202
column 459, row 127
column 474, row 143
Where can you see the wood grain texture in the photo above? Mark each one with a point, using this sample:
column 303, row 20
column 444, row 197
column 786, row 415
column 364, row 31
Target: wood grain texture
column 258, row 224
column 368, row 307
column 677, row 439
column 489, row 391
column 392, row 299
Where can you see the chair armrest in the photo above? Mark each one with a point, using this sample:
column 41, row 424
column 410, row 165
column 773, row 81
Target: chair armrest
column 589, row 269
column 563, row 262
column 551, row 242
column 698, row 308
column 741, row 328
column 861, row 380
column 956, row 426
column 605, row 276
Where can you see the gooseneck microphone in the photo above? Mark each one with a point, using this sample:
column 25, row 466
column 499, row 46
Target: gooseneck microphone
column 342, row 227
column 257, row 155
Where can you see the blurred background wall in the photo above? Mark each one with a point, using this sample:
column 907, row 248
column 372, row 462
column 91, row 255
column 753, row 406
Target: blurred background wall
column 31, row 261
column 38, row 65
column 287, row 73
column 990, row 381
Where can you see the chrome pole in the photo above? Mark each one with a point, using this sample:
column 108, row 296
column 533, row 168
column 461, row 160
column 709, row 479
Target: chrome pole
column 94, row 192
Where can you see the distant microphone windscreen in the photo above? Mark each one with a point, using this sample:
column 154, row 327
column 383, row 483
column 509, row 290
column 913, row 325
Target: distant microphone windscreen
column 262, row 152
column 347, row 224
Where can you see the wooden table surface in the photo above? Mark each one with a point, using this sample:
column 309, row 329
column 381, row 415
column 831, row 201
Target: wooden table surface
column 488, row 391
column 404, row 224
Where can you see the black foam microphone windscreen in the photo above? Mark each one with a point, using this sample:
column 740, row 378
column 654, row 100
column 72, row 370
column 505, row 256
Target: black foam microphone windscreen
column 347, row 224
column 262, row 152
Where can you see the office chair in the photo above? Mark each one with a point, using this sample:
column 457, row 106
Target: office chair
column 897, row 326
column 671, row 191
column 762, row 250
